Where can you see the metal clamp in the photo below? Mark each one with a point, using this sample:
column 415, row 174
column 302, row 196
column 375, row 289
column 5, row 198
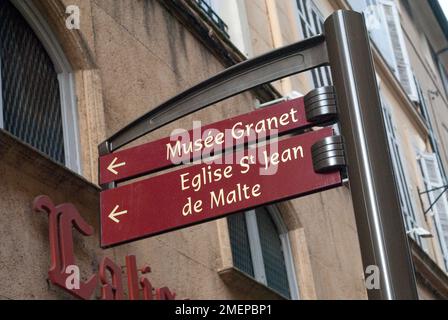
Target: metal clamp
column 328, row 154
column 320, row 105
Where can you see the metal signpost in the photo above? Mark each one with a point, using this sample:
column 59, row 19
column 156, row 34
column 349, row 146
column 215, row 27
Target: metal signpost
column 165, row 202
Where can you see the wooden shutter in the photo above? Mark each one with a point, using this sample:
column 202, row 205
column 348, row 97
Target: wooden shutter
column 402, row 66
column 382, row 19
column 433, row 179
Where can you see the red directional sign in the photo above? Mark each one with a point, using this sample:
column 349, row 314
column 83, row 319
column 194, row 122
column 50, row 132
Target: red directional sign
column 156, row 155
column 204, row 191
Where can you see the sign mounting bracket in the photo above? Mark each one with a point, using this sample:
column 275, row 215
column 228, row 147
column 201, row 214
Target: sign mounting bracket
column 274, row 65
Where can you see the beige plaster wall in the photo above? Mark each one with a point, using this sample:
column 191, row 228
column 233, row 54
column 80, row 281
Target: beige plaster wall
column 144, row 57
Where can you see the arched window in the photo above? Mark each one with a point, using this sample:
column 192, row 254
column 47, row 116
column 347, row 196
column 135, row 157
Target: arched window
column 261, row 249
column 37, row 103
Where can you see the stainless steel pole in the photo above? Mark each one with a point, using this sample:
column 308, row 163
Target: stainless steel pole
column 376, row 202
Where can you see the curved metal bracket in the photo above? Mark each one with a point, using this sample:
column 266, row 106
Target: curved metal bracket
column 277, row 64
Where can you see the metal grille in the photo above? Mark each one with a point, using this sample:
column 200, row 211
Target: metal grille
column 273, row 258
column 30, row 87
column 206, row 7
column 239, row 241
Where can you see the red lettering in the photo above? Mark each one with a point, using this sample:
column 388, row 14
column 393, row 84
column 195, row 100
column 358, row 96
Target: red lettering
column 61, row 221
column 165, row 294
column 114, row 290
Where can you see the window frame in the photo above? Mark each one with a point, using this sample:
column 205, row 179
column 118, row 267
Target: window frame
column 407, row 204
column 390, row 57
column 65, row 76
column 413, row 95
column 256, row 250
column 443, row 72
column 320, row 77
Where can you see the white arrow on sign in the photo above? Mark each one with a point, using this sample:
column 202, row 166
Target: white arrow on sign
column 115, row 214
column 114, row 165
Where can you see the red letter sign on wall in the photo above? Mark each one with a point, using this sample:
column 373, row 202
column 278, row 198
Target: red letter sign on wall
column 61, row 221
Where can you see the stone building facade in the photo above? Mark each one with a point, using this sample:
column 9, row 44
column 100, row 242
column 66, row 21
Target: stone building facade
column 65, row 89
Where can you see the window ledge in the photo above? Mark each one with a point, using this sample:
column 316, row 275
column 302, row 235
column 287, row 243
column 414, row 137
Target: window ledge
column 387, row 75
column 39, row 166
column 247, row 286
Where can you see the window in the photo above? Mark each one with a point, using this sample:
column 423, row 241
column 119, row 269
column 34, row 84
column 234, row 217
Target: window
column 444, row 76
column 383, row 24
column 434, row 186
column 443, row 143
column 311, row 24
column 261, row 249
column 406, row 203
column 235, row 22
column 439, row 66
column 36, row 94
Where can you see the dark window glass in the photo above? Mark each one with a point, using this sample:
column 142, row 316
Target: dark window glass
column 270, row 245
column 29, row 86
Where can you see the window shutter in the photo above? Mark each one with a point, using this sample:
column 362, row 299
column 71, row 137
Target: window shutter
column 382, row 19
column 433, row 179
column 272, row 252
column 402, row 65
column 239, row 241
